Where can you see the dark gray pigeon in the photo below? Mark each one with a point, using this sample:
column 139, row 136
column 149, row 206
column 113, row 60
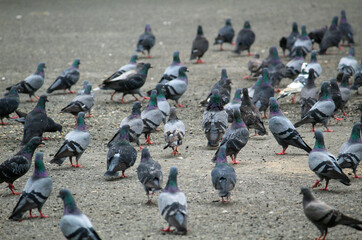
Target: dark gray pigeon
column 81, row 103
column 324, row 216
column 74, row 224
column 36, row 121
column 288, row 42
column 177, row 87
column 337, row 97
column 146, row 41
column 125, row 68
column 347, row 65
column 314, row 64
column 9, row 104
column 75, row 143
column 121, row 155
column 223, row 175
column 224, row 88
column 225, row 35
column 317, row 35
column 151, row 117
column 283, row 130
column 162, row 102
column 173, row 205
column 321, row 111
column 303, row 41
column 309, row 94
column 350, row 153
column 357, row 78
column 276, row 69
column 332, row 37
column 32, row 83
column 214, row 120
column 36, row 191
column 346, row 29
column 263, row 92
column 199, row 46
column 172, row 71
column 254, row 67
column 174, row 132
column 236, row 102
column 67, row 78
column 324, row 164
column 235, row 137
column 149, row 173
column 18, row 165
column 245, row 39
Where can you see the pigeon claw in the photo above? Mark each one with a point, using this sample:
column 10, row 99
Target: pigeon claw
column 180, row 105
column 140, row 148
column 42, row 215
column 246, row 77
column 71, row 92
column 148, row 56
column 338, row 119
column 199, row 61
column 3, row 123
column 147, row 98
column 122, row 101
column 234, row 161
column 329, row 130
column 167, row 229
column 46, row 139
column 356, row 176
column 316, row 184
column 250, row 54
column 282, row 152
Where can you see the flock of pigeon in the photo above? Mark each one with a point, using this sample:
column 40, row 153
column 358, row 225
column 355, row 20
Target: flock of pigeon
column 225, row 121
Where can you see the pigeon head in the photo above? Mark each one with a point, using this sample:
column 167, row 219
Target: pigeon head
column 221, row 155
column 237, row 96
column 153, row 100
column 228, row 22
column 160, row 94
column 85, row 83
column 145, row 68
column 124, row 132
column 81, row 122
column 171, row 185
column 39, row 168
column 136, row 108
column 334, row 86
column 145, row 155
column 70, row 207
column 334, row 23
column 343, row 17
column 133, row 59
column 311, row 77
column 176, row 58
column 356, row 133
column 274, row 107
column 13, row 91
column 325, row 91
column 224, row 74
column 313, row 57
column 173, row 115
column 298, row 53
column 215, row 103
column 237, row 120
column 148, row 28
column 351, row 51
column 32, row 145
column 247, row 25
column 40, row 67
column 307, row 195
column 182, row 72
column 200, row 32
column 246, row 99
column 76, row 63
column 41, row 102
column 88, row 89
column 345, row 80
column 295, row 27
column 319, row 141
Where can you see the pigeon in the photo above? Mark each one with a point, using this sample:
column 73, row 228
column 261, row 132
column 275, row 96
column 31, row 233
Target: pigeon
column 177, row 87
column 303, row 41
column 76, row 142
column 223, row 85
column 66, row 79
column 309, row 94
column 199, row 46
column 357, row 79
column 288, row 42
column 225, row 35
column 321, row 111
column 129, row 82
column 32, row 83
column 214, row 120
column 135, row 126
column 172, row 71
column 251, row 115
column 174, row 132
column 36, row 191
column 74, row 224
column 314, row 64
column 332, row 37
column 345, row 90
column 223, row 175
column 254, row 67
column 346, row 29
column 276, row 69
column 236, row 102
column 121, row 155
column 337, row 97
column 146, row 41
column 350, row 153
column 9, row 104
column 149, row 173
column 162, row 103
column 347, row 64
column 18, row 165
column 235, row 137
column 324, row 216
column 263, row 91
column 81, row 103
column 324, row 164
column 36, row 121
column 151, row 117
column 82, row 91
column 245, row 39
column 294, row 67
column 317, row 35
column 283, row 130
column 125, row 68
column 173, row 205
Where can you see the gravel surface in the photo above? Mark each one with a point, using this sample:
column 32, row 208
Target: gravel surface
column 265, row 203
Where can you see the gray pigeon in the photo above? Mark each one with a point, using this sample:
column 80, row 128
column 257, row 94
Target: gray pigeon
column 288, row 42
column 135, row 125
column 151, row 117
column 125, row 68
column 345, row 90
column 324, row 164
column 309, row 94
column 254, row 67
column 174, row 132
column 294, row 67
column 149, row 173
column 82, row 91
column 224, row 88
column 236, row 102
column 332, row 37
column 314, row 64
column 350, row 153
column 225, row 35
column 121, row 155
column 347, row 65
column 173, row 205
column 146, row 41
column 321, row 111
column 18, row 165
column 177, row 87
column 172, row 71
column 36, row 121
column 81, row 103
column 357, row 78
column 263, row 92
column 317, row 34
column 235, row 137
column 32, row 83
column 36, row 191
column 214, row 120
column 245, row 39
column 283, row 130
column 9, row 104
column 74, row 224
column 162, row 103
column 324, row 216
column 76, row 142
column 199, row 46
column 346, row 29
column 303, row 41
column 67, row 78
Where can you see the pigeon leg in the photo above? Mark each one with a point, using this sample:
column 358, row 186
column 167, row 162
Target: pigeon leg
column 325, row 188
column 316, row 184
column 175, row 152
column 265, row 116
column 246, row 77
column 328, row 130
column 199, row 60
column 223, row 200
column 46, row 139
column 221, row 48
column 338, row 119
column 31, row 216
column 136, row 99
column 12, row 188
column 148, row 139
column 277, row 90
column 282, row 152
column 325, row 235
column 167, row 229
column 250, row 54
column 122, row 99
column 36, row 97
column 71, row 162
column 123, row 176
column 293, row 98
column 233, row 160
column 148, row 56
column 312, row 129
column 71, row 92
column 147, row 98
column 140, row 148
column 112, row 95
column 233, row 43
column 31, row 100
column 42, row 215
column 15, row 117
column 3, row 123
column 344, row 114
column 78, row 166
column 356, row 176
column 340, row 47
column 180, row 105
